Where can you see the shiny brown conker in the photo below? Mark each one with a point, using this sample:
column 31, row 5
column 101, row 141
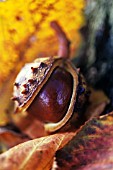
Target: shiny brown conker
column 52, row 102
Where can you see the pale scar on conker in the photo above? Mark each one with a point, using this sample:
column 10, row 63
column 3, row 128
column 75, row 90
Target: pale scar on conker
column 51, row 88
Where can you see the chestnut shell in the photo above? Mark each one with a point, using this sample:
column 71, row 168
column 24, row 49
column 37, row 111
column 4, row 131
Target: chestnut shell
column 31, row 82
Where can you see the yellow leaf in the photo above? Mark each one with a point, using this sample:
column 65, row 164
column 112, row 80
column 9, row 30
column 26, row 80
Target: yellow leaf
column 25, row 32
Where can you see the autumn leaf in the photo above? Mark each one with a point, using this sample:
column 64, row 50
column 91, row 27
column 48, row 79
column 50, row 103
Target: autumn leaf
column 91, row 148
column 10, row 135
column 25, row 29
column 37, row 154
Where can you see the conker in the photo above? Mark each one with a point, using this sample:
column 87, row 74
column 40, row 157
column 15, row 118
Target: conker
column 52, row 102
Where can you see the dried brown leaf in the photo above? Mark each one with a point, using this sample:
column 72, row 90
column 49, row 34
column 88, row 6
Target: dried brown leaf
column 37, row 154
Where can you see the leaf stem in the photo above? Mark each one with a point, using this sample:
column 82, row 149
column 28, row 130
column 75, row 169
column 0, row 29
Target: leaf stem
column 64, row 43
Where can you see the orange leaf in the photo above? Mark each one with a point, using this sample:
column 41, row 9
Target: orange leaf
column 37, row 154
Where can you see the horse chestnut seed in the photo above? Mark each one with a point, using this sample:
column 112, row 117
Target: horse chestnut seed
column 52, row 102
